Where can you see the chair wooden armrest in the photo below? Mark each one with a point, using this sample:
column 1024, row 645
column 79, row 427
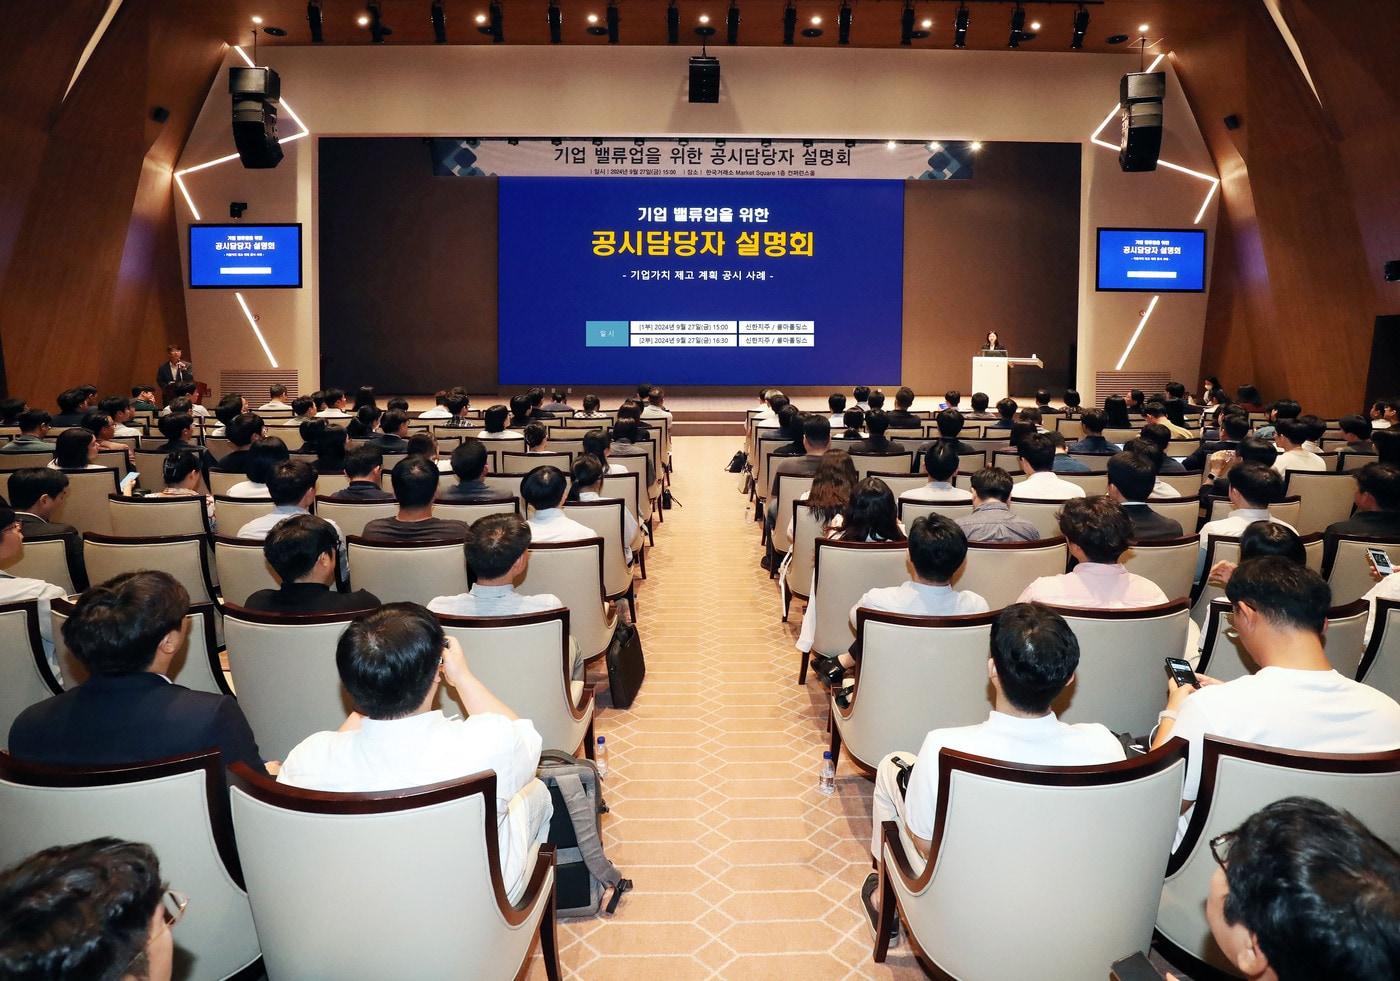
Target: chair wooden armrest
column 894, row 860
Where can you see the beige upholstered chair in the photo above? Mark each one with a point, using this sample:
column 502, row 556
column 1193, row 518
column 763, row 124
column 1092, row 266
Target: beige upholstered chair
column 763, row 466
column 900, row 483
column 150, row 465
column 1182, row 447
column 243, row 569
column 1348, row 462
column 233, row 513
column 867, row 463
column 1044, row 514
column 471, row 513
column 628, row 486
column 331, row 483
column 1225, row 659
column 972, row 462
column 1169, row 562
column 1380, row 664
column 1121, row 654
column 147, row 517
column 177, row 806
column 916, row 674
column 911, row 510
column 1186, row 484
column 45, row 557
column 523, row 463
column 842, row 573
column 573, row 571
column 1237, row 779
column 378, row 916
column 605, row 519
column 25, row 676
column 1008, row 460
column 352, row 516
column 183, row 556
column 1347, row 569
column 23, row 461
column 412, row 572
column 1285, row 510
column 648, row 494
column 196, row 665
column 1093, row 483
column 789, row 488
column 1221, row 548
column 1325, row 498
column 283, row 668
column 1070, row 429
column 1096, row 462
column 504, row 485
column 1121, row 436
column 1000, row 572
column 220, row 481
column 1184, row 511
column 85, row 507
column 807, row 527
column 525, row 661
column 1095, row 838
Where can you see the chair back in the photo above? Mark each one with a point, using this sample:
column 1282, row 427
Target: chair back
column 1285, row 510
column 85, row 507
column 1121, row 436
column 471, row 513
column 1092, row 836
column 573, row 571
column 1096, row 462
column 1380, row 665
column 196, row 665
column 807, row 527
column 1347, row 462
column 23, row 461
column 1169, row 562
column 320, row 915
column 149, row 517
column 1008, row 460
column 352, row 516
column 1237, row 780
column 150, row 468
column 25, row 676
column 842, row 573
column 916, row 674
column 525, row 661
column 999, row 572
column 1224, row 658
column 866, row 463
column 1182, row 447
column 788, row 488
column 283, row 668
column 407, row 572
column 1349, row 573
column 331, row 483
column 504, row 485
column 1070, row 429
column 628, row 486
column 1219, row 548
column 1094, row 484
column 233, row 513
column 1185, row 511
column 637, row 465
column 243, row 569
column 899, row 483
column 1044, row 514
column 1121, row 652
column 1186, row 484
column 183, row 556
column 1324, row 498
column 523, row 463
column 220, row 481
column 605, row 519
column 911, row 510
column 177, row 806
column 44, row 557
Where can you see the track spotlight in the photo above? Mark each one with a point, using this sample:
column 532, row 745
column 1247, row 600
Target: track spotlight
column 556, row 23
column 732, row 22
column 960, row 22
column 498, row 22
column 1081, row 27
column 613, row 22
column 439, row 18
column 906, row 23
column 673, row 24
column 1018, row 23
column 789, row 23
column 377, row 30
column 843, row 23
column 313, row 17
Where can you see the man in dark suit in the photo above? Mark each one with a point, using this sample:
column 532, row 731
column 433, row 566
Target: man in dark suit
column 1093, row 422
column 469, row 464
column 1377, row 503
column 1235, row 426
column 35, row 492
column 304, row 550
column 393, row 435
column 901, row 417
column 70, row 409
column 1130, row 479
column 242, row 431
column 127, row 633
column 1356, row 430
column 950, row 425
column 364, row 465
column 174, row 369
column 979, row 407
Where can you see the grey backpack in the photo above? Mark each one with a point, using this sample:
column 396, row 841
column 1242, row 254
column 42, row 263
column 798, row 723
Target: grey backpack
column 582, row 872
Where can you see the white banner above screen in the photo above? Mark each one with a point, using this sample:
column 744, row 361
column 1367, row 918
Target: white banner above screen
column 787, row 159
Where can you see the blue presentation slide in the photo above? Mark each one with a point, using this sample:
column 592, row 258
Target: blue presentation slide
column 613, row 281
column 1152, row 260
column 245, row 256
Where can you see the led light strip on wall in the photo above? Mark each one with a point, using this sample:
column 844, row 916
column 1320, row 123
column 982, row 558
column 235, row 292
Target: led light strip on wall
column 194, row 210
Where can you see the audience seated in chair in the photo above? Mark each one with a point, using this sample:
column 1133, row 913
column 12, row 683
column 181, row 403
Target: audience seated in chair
column 877, row 423
column 181, row 477
column 470, row 465
column 599, row 443
column 941, row 464
column 364, row 467
column 1042, row 402
column 979, row 407
column 1156, row 414
column 901, row 417
column 991, row 519
column 292, row 488
column 1037, row 453
column 264, row 457
column 127, row 633
column 1130, row 480
column 1006, row 413
column 1252, row 489
column 393, row 432
column 104, row 432
column 77, row 449
column 836, row 402
column 1296, row 700
column 1293, row 455
column 33, row 428
column 16, row 588
column 1033, row 657
column 1159, row 436
column 277, row 399
column 35, row 493
column 1377, row 503
column 391, row 662
column 815, row 434
column 303, row 551
column 242, row 431
column 415, row 481
column 1252, row 449
column 543, row 489
column 1098, row 531
column 950, row 424
column 587, row 480
column 1094, row 421
column 1234, row 427
column 1064, row 463
column 626, row 434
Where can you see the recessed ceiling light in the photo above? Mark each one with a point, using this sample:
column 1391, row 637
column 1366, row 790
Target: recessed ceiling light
column 891, row 145
column 257, row 19
column 1035, row 25
column 704, row 18
column 926, row 23
column 1142, row 28
column 816, row 19
column 592, row 18
column 362, row 20
column 974, row 146
column 481, row 18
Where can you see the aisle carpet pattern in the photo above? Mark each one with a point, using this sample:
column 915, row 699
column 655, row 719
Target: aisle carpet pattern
column 742, row 868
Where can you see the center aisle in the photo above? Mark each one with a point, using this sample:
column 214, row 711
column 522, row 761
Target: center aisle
column 742, row 868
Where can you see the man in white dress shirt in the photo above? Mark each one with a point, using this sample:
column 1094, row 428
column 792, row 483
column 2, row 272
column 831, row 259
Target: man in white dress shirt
column 337, row 405
column 1098, row 531
column 543, row 489
column 276, row 399
column 1253, row 488
column 1296, row 700
column 1293, row 455
column 836, row 403
column 292, row 488
column 1034, row 655
column 1037, row 453
column 13, row 589
column 940, row 463
column 655, row 407
column 391, row 662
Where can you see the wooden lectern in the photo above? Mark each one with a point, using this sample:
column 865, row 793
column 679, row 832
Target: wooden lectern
column 989, row 374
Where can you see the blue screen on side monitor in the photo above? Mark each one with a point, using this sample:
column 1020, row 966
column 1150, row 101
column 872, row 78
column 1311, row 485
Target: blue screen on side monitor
column 608, row 281
column 1152, row 260
column 245, row 256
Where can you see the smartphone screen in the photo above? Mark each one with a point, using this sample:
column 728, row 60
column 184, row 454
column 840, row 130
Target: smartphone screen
column 1380, row 560
column 1181, row 672
column 943, row 405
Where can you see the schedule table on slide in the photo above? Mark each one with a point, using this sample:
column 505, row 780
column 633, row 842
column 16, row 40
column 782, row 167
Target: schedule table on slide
column 701, row 333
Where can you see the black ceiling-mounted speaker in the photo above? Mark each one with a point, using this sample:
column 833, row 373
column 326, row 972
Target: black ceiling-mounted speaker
column 255, row 93
column 704, row 78
column 1140, row 100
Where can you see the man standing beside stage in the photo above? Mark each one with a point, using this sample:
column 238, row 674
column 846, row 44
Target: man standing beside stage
column 174, row 370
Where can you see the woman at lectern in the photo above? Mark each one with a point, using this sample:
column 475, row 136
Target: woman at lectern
column 993, row 342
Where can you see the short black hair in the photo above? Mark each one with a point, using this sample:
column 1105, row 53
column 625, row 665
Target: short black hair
column 904, row 398
column 816, row 430
column 1358, row 426
column 980, row 400
column 1094, row 421
column 853, row 418
column 31, row 483
column 535, row 434
column 174, row 425
column 992, row 483
column 1157, row 434
column 952, row 397
column 114, row 404
column 493, row 420
column 361, row 461
column 290, row 481
column 1132, row 474
column 495, row 542
column 1257, row 485
column 71, row 448
column 388, row 659
column 276, row 391
column 876, row 399
column 861, row 392
column 1098, row 525
column 941, row 461
column 1030, row 414
column 587, row 471
column 69, row 399
column 95, row 421
column 392, row 421
column 1073, row 398
column 1286, row 409
column 397, row 404
column 836, row 402
column 1380, row 480
column 302, row 405
column 230, row 405
column 1236, row 425
column 1293, row 430
column 1037, row 450
column 79, row 911
column 1284, row 593
column 422, row 444
column 1318, row 890
column 950, row 423
column 241, row 429
column 32, row 419
column 520, row 407
column 116, row 626
column 1042, row 397
column 1262, row 537
column 1006, row 408
column 10, row 409
column 1035, row 653
column 1175, row 389
column 263, row 458
column 877, row 422
column 138, row 390
column 415, row 481
column 543, row 487
column 469, row 458
column 591, row 403
column 937, row 547
column 294, row 544
column 1256, row 449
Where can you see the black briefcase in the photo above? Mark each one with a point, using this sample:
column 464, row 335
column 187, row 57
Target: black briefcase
column 626, row 665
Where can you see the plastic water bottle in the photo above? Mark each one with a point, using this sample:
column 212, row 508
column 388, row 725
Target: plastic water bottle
column 600, row 757
column 826, row 783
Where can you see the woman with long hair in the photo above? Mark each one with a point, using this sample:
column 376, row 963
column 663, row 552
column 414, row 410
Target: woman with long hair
column 362, row 426
column 872, row 515
column 364, row 398
column 832, row 487
column 1115, row 407
column 76, row 449
column 993, row 342
column 330, row 450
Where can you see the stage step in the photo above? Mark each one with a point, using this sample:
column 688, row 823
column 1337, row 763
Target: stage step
column 707, row 428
